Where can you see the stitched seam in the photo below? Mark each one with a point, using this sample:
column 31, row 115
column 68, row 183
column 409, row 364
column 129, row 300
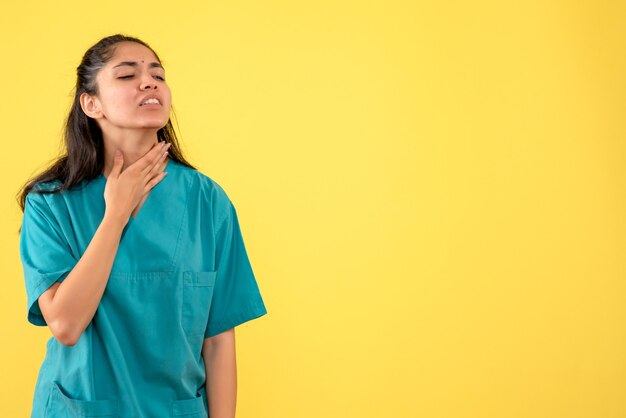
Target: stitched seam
column 252, row 311
column 50, row 218
column 180, row 229
column 227, row 212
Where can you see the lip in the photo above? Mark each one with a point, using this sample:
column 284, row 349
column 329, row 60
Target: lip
column 150, row 105
column 152, row 96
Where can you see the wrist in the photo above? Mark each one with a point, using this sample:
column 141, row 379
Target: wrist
column 114, row 221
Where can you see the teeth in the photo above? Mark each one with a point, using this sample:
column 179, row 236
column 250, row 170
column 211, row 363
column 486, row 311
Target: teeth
column 149, row 101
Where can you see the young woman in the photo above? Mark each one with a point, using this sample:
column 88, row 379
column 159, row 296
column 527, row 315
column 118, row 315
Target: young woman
column 140, row 277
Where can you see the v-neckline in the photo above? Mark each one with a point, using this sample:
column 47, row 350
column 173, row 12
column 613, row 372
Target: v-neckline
column 134, row 217
column 149, row 242
column 156, row 189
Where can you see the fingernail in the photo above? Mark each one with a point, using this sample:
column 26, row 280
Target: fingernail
column 162, row 144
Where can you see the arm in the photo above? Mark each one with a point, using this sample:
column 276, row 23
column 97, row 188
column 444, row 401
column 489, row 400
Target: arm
column 69, row 306
column 221, row 374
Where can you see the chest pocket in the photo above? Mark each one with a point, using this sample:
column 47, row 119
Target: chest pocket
column 197, row 296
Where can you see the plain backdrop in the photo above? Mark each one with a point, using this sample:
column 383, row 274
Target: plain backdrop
column 431, row 193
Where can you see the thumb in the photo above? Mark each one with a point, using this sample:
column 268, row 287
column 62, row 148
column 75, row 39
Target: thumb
column 118, row 161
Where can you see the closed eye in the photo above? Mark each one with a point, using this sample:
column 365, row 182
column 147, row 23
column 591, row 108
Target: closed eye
column 130, row 76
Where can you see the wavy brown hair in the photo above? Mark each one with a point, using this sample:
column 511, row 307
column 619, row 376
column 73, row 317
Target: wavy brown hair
column 84, row 156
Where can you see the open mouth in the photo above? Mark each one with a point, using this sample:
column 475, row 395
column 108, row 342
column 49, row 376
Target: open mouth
column 151, row 103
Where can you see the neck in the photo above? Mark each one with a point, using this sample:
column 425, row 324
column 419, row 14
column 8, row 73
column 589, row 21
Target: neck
column 132, row 144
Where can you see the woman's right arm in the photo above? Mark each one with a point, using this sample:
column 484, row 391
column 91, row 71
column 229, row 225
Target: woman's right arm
column 69, row 306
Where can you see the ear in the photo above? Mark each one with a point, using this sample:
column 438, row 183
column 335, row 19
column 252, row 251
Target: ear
column 90, row 105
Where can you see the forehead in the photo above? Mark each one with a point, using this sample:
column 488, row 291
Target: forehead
column 131, row 51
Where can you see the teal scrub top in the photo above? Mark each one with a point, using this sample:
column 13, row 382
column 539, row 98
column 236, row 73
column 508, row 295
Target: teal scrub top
column 181, row 274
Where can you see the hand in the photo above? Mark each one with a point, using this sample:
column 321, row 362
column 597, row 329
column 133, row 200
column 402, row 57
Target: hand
column 124, row 190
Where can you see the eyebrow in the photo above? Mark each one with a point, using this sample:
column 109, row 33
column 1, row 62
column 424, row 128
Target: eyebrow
column 134, row 64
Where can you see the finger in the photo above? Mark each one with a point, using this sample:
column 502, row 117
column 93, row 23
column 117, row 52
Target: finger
column 157, row 163
column 159, row 166
column 118, row 161
column 146, row 162
column 154, row 159
column 155, row 180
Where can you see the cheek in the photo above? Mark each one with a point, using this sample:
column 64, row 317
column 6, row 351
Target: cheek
column 118, row 98
column 167, row 102
column 168, row 96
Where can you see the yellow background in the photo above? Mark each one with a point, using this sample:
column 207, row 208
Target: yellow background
column 431, row 195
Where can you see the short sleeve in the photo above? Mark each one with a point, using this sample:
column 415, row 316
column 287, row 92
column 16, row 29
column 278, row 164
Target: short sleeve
column 236, row 295
column 45, row 254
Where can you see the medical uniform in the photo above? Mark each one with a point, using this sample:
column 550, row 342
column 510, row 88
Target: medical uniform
column 181, row 274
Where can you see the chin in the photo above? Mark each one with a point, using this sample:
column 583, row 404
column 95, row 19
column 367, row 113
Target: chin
column 153, row 125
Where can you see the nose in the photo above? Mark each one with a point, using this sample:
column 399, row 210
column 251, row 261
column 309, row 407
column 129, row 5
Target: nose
column 147, row 82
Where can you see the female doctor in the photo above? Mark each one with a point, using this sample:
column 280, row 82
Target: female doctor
column 132, row 257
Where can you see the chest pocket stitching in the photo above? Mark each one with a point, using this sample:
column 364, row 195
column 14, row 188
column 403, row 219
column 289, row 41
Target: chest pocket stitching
column 197, row 296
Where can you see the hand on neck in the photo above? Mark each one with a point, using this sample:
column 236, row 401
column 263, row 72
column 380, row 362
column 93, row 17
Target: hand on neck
column 132, row 145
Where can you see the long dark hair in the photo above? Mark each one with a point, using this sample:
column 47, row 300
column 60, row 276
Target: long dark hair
column 84, row 159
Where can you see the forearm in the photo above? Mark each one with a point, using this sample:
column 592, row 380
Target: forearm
column 221, row 375
column 77, row 298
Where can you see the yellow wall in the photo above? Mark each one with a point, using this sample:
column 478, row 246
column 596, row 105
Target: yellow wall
column 432, row 196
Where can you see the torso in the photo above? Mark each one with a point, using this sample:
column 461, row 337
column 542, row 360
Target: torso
column 136, row 210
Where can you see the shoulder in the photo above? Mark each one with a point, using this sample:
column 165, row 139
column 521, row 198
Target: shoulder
column 43, row 194
column 208, row 190
column 43, row 204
